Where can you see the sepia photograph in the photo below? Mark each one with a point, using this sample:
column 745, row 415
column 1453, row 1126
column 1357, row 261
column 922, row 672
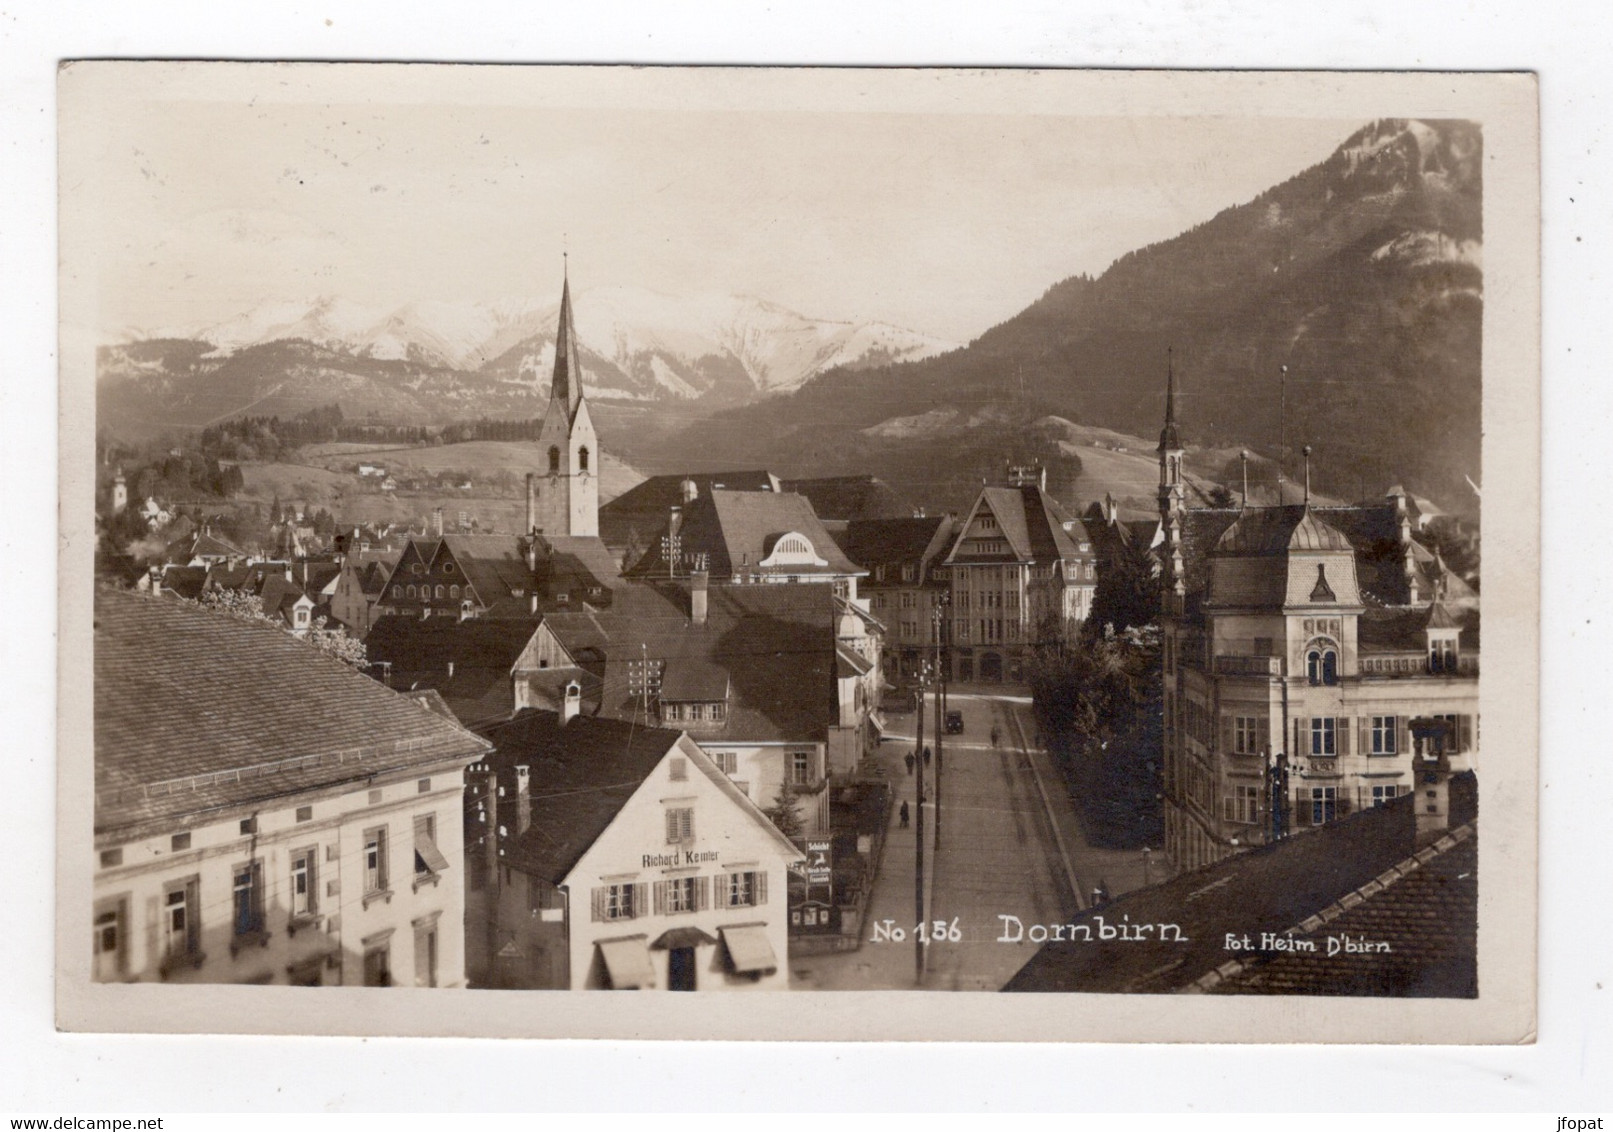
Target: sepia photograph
column 1009, row 538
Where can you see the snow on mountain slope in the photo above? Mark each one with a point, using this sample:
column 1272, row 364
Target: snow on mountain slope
column 637, row 344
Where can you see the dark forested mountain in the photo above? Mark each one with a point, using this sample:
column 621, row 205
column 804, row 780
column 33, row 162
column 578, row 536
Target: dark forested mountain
column 1362, row 275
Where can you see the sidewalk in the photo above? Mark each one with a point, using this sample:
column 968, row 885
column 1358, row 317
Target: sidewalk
column 1120, row 870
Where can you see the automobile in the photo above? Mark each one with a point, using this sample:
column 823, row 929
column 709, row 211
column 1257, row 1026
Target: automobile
column 954, row 723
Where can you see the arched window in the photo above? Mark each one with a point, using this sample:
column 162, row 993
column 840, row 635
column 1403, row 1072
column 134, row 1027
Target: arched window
column 582, row 459
column 411, row 591
column 554, row 460
column 1313, row 666
column 439, row 592
column 1330, row 667
column 397, row 591
column 453, row 591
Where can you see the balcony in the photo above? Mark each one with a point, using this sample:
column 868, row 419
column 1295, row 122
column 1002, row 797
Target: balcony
column 1263, row 666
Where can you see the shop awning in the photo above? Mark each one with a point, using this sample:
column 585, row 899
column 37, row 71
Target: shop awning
column 749, row 952
column 674, row 938
column 627, row 961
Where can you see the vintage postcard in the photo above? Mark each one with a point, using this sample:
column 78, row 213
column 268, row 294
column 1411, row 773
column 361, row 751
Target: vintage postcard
column 900, row 554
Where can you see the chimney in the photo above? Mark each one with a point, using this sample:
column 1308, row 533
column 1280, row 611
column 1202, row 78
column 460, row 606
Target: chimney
column 436, row 522
column 483, row 784
column 698, row 582
column 531, row 502
column 450, row 670
column 572, row 703
column 1433, row 797
column 688, row 491
column 1243, row 458
column 1110, row 511
column 1307, row 451
column 523, row 798
column 533, row 600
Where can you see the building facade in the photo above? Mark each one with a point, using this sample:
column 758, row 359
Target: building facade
column 1309, row 672
column 904, row 586
column 265, row 814
column 1016, row 572
column 667, row 877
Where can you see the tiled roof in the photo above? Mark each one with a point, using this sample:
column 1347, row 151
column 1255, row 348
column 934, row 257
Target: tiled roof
column 185, row 581
column 776, row 642
column 891, row 542
column 850, row 498
column 482, row 651
column 578, row 559
column 1427, row 915
column 1031, row 522
column 644, row 508
column 735, row 531
column 493, row 564
column 581, row 775
column 1273, row 888
column 1278, row 530
column 197, row 710
column 694, row 678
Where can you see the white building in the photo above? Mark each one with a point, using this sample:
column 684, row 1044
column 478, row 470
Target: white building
column 611, row 856
column 265, row 814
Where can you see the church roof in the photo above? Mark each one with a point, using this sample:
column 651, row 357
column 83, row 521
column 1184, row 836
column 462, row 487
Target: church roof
column 567, row 383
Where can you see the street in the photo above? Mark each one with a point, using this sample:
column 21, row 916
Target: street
column 997, row 856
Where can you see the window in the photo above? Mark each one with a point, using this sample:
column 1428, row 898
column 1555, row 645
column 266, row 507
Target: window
column 726, row 761
column 1247, row 734
column 425, row 953
column 1243, row 805
column 397, row 591
column 1324, row 736
column 378, row 964
column 453, row 591
column 304, row 898
column 375, row 871
column 179, row 920
column 1322, row 804
column 109, row 941
column 617, row 902
column 111, row 858
column 718, row 711
column 423, row 786
column 696, row 713
column 304, row 813
column 679, row 825
column 683, row 894
column 1383, row 735
column 582, row 459
column 247, row 900
column 743, row 890
column 440, row 593
column 801, row 768
column 678, row 769
column 1382, row 794
column 429, row 863
column 554, row 460
column 673, row 712
column 375, row 797
column 249, row 826
column 411, row 590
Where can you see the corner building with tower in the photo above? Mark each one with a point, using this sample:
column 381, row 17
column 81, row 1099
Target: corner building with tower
column 1317, row 660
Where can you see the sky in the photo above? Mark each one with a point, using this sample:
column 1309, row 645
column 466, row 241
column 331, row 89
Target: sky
column 946, row 223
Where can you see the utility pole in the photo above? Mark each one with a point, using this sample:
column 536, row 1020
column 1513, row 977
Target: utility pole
column 940, row 713
column 1282, row 430
column 918, row 852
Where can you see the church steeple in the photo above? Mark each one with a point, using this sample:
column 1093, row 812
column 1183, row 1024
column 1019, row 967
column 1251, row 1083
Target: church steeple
column 1172, row 496
column 567, row 384
column 1169, row 439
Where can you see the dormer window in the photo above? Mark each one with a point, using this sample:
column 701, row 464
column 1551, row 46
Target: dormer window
column 1322, row 663
column 1322, row 591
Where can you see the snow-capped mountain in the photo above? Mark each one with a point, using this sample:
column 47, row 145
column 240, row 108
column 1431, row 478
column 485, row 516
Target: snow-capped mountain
column 637, row 344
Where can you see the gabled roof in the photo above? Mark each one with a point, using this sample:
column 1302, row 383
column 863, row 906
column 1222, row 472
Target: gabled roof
column 1031, row 522
column 645, row 507
column 580, row 558
column 236, row 712
column 849, row 498
column 735, row 530
column 1274, row 888
column 494, row 565
column 185, row 581
column 893, row 542
column 483, row 652
column 775, row 642
column 694, row 678
column 581, row 774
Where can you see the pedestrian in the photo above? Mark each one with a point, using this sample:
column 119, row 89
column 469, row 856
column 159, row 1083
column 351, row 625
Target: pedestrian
column 926, row 756
column 905, row 815
column 995, row 735
column 910, row 760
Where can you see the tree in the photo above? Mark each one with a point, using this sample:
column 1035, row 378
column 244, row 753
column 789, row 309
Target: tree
column 784, row 815
column 1127, row 594
column 333, row 642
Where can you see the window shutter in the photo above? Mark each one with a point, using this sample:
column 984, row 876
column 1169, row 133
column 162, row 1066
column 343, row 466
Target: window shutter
column 760, row 887
column 660, row 896
column 1402, row 736
column 641, row 900
column 1226, row 733
column 1302, row 809
column 702, row 893
column 672, row 827
column 688, row 825
column 1465, row 726
column 598, row 904
column 1343, row 724
column 1364, row 730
